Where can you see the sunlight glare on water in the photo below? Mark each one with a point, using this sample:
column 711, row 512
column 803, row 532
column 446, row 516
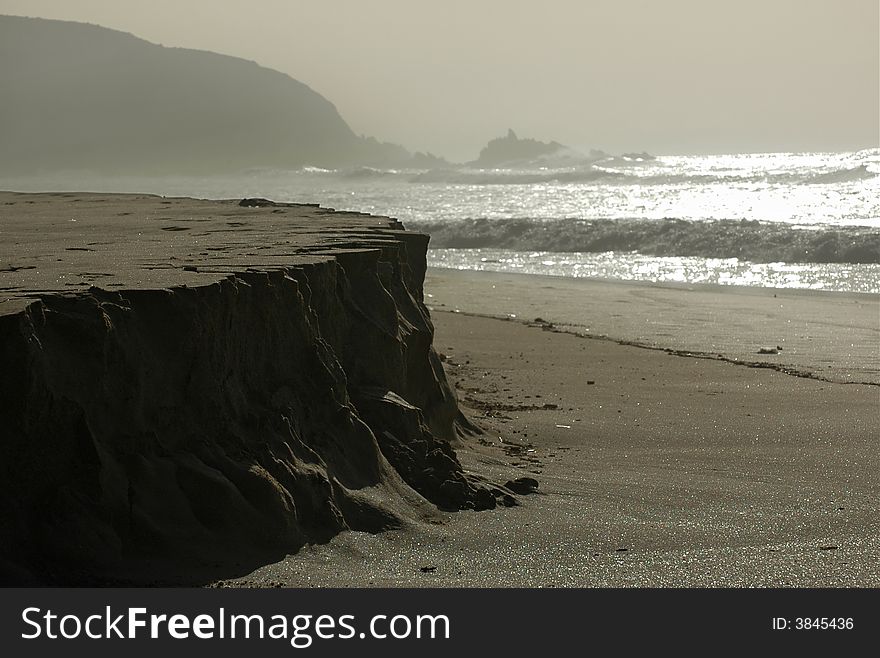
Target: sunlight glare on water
column 636, row 267
column 825, row 192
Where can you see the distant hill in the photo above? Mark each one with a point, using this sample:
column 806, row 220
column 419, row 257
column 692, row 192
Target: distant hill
column 79, row 96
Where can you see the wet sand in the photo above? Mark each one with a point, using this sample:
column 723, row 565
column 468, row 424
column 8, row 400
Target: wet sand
column 656, row 468
column 828, row 335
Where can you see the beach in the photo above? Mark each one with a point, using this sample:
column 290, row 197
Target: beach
column 663, row 465
column 250, row 394
column 377, row 322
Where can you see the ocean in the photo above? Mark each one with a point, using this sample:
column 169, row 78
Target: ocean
column 784, row 220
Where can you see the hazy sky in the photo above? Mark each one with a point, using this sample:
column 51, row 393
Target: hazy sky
column 670, row 76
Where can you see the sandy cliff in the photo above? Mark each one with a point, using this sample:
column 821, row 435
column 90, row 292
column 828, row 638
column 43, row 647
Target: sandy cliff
column 194, row 384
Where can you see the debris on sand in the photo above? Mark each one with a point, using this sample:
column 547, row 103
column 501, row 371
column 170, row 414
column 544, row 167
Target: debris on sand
column 522, row 486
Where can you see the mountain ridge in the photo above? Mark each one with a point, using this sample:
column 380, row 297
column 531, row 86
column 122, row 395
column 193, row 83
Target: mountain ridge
column 82, row 96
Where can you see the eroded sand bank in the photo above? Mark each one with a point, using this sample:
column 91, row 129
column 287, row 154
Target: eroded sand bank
column 655, row 469
column 190, row 388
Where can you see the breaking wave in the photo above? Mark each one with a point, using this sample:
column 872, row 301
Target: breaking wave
column 368, row 172
column 598, row 173
column 603, row 174
column 759, row 242
column 613, row 170
column 843, row 175
column 308, row 169
column 515, row 176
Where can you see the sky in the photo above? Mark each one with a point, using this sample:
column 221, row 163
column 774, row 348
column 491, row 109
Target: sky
column 445, row 76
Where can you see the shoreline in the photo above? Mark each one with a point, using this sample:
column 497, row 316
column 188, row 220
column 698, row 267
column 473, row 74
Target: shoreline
column 672, row 285
column 832, row 336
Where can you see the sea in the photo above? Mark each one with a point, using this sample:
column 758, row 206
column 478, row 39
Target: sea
column 778, row 220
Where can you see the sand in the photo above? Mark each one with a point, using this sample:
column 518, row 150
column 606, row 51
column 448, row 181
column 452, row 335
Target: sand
column 190, row 388
column 655, row 469
column 662, row 458
column 828, row 335
column 66, row 242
